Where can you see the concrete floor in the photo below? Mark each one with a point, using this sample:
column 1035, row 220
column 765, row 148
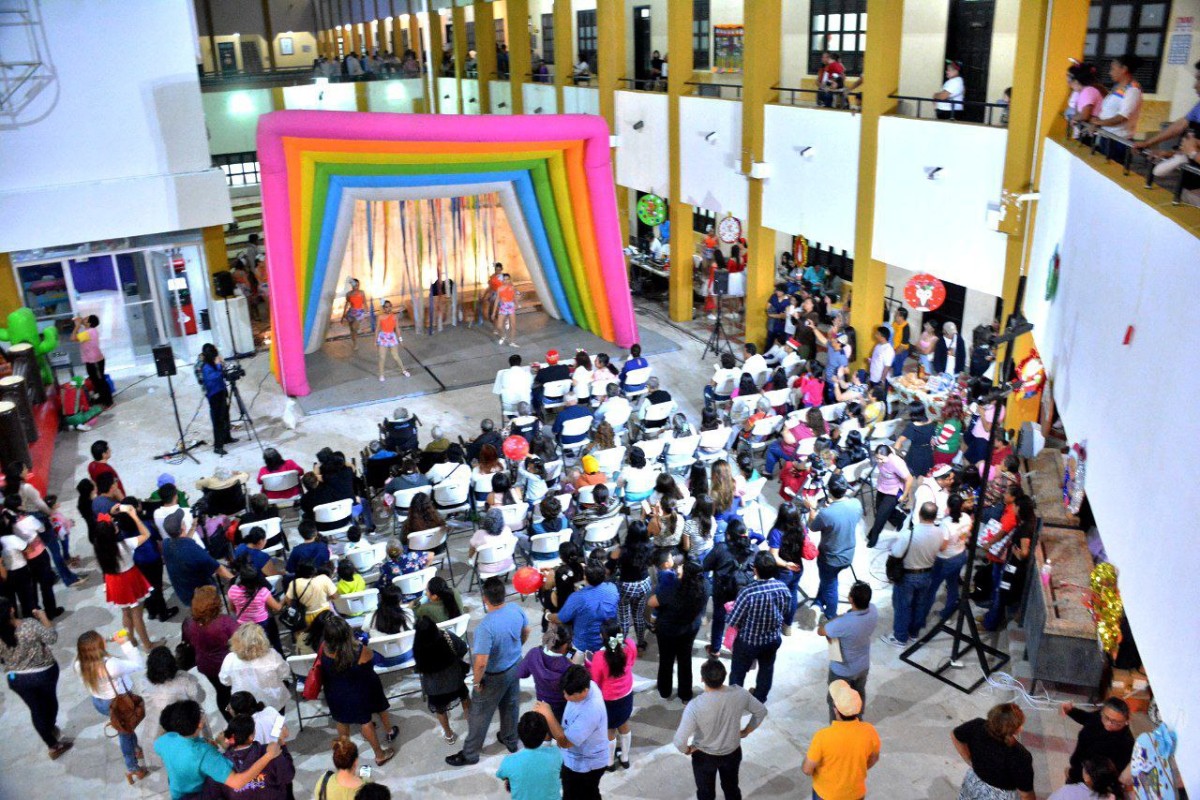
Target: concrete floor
column 913, row 713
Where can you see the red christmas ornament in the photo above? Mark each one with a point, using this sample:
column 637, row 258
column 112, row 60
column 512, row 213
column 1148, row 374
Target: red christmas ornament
column 515, row 448
column 924, row 292
column 528, row 580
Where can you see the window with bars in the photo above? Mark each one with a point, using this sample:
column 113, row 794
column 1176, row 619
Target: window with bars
column 241, row 169
column 701, row 34
column 1117, row 27
column 839, row 26
column 548, row 38
column 587, row 34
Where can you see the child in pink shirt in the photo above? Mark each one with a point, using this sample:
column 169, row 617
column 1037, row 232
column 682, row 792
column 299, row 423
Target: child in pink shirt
column 612, row 670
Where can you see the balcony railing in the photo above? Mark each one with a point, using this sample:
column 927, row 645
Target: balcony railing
column 644, row 84
column 972, row 111
column 1121, row 150
column 839, row 99
column 705, row 89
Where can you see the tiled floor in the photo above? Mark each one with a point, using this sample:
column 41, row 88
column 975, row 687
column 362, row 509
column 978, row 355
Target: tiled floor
column 914, row 713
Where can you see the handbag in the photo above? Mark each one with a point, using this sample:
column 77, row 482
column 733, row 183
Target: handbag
column 126, row 710
column 463, row 665
column 995, row 542
column 809, row 550
column 314, row 682
column 293, row 616
column 895, row 564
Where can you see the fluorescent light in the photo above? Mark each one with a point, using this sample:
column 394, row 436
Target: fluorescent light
column 241, row 103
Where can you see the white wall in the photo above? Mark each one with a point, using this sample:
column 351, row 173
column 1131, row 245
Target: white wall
column 711, row 165
column 800, row 197
column 395, row 95
column 1139, row 475
column 232, row 118
column 642, row 161
column 447, row 99
column 540, row 95
column 138, row 129
column 317, row 97
column 470, row 96
column 940, row 226
column 501, row 93
column 581, row 100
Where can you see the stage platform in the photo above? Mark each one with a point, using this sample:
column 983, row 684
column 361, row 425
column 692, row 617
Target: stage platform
column 455, row 358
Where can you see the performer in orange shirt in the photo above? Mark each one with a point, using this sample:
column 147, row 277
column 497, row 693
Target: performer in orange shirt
column 506, row 309
column 490, row 306
column 388, row 338
column 355, row 311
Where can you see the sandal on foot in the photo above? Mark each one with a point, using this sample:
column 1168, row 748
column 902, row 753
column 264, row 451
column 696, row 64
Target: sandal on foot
column 388, row 755
column 451, row 739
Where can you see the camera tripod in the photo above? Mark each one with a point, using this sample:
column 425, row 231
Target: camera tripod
column 713, row 344
column 243, row 417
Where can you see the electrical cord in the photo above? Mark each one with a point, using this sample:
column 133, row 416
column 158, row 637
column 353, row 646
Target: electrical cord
column 1004, row 682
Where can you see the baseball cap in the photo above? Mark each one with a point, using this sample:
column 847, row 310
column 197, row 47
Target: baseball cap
column 165, row 478
column 847, row 701
column 172, row 524
column 941, row 471
column 552, row 356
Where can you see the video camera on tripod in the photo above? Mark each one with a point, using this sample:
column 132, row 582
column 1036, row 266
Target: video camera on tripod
column 234, row 371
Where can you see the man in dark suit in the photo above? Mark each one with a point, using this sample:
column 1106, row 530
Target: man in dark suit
column 553, row 371
column 950, row 352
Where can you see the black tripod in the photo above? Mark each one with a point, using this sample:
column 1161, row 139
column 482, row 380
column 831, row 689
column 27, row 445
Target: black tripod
column 720, row 289
column 243, row 417
column 968, row 640
column 183, row 448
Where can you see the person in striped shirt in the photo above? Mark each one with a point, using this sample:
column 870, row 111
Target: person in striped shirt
column 758, row 614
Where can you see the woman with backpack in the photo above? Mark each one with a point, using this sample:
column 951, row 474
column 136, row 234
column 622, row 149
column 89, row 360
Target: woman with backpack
column 632, row 564
column 680, row 604
column 108, row 678
column 438, row 656
column 731, row 565
column 786, row 542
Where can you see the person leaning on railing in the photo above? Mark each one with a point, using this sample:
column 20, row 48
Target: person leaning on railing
column 1187, row 128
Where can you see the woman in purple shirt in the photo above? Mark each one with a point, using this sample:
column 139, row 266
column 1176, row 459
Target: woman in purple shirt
column 547, row 664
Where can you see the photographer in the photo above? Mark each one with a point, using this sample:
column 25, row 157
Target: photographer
column 212, row 373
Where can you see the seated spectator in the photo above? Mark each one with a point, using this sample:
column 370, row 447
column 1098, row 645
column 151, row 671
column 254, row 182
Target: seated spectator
column 591, row 473
column 451, row 471
column 488, row 435
column 638, row 478
column 525, row 424
column 603, row 438
column 572, row 410
column 378, row 452
column 489, row 461
column 809, row 390
column 313, row 550
column 666, row 486
column 275, row 463
column 439, row 444
column 552, row 372
column 251, row 551
column 162, row 480
column 553, row 520
column 169, row 496
column 260, row 510
column 753, row 363
column 602, row 505
column 604, row 374
column 405, row 475
column 680, row 427
column 422, row 516
column 531, row 480
column 398, row 563
column 391, row 617
column 635, row 361
column 310, row 591
column 513, row 385
column 400, row 432
column 349, row 580
column 614, row 405
column 852, row 391
column 442, row 602
column 224, row 490
column 492, row 532
column 316, row 493
column 655, row 395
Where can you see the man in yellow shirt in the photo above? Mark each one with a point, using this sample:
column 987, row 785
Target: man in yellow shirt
column 839, row 756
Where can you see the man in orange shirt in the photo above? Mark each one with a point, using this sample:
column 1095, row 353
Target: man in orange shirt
column 839, row 756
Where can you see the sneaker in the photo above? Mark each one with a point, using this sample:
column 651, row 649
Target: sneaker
column 459, row 760
column 407, row 374
column 381, row 379
column 500, row 340
column 451, row 739
column 893, row 641
column 512, row 748
column 513, row 344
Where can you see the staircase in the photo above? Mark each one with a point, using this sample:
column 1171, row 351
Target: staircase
column 247, row 219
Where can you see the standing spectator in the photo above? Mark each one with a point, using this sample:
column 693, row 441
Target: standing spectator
column 632, row 562
column 534, row 773
column 1104, row 735
column 1121, row 107
column 950, row 98
column 893, row 487
column 16, row 482
column 189, row 565
column 758, row 614
column 952, row 555
column 124, row 586
column 777, row 313
column 208, row 632
column 853, row 631
column 353, row 690
column 901, row 341
column 25, row 552
column 948, row 437
column 919, row 435
column 147, row 557
column 101, row 453
column 839, row 756
column 711, row 732
column 32, row 671
column 1008, row 576
column 998, row 766
column 588, row 607
column 786, row 543
column 612, row 671
column 438, row 656
column 730, row 564
column 343, row 781
column 191, row 760
column 919, row 550
column 106, row 676
column 831, row 79
column 87, row 333
column 165, row 684
column 497, row 653
column 243, row 753
column 837, row 523
column 680, row 605
column 882, row 357
column 949, row 352
column 546, row 665
column 582, row 736
column 253, row 666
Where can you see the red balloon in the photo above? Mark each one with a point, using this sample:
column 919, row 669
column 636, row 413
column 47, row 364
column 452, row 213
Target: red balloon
column 528, row 580
column 515, row 448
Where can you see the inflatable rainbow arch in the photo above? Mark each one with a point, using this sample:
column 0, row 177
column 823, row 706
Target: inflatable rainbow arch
column 553, row 175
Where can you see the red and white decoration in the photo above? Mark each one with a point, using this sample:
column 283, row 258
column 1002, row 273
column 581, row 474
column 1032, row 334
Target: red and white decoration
column 924, row 292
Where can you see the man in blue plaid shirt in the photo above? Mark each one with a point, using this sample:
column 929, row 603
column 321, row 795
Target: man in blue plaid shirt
column 758, row 614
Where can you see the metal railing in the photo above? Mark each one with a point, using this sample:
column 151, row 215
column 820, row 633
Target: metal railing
column 295, row 76
column 644, row 84
column 705, row 89
column 994, row 114
column 838, row 99
column 1132, row 160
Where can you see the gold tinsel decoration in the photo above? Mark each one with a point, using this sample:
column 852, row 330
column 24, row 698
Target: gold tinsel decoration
column 1106, row 605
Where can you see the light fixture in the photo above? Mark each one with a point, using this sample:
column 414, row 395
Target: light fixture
column 637, row 126
column 934, row 173
column 236, row 35
column 711, row 137
column 241, row 103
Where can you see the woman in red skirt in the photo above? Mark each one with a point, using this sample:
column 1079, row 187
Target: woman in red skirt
column 124, row 585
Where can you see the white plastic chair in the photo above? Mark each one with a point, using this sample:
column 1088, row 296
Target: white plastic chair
column 743, row 406
column 452, row 497
column 761, row 377
column 481, row 487
column 368, row 558
column 402, row 500
column 392, row 646
column 766, row 429
column 544, row 547
column 753, row 490
column 680, row 452
column 601, row 533
column 657, row 413
column 516, row 516
column 778, row 397
column 428, row 542
column 580, row 426
column 489, row 560
column 712, row 444
column 457, row 625
column 886, row 432
column 684, row 507
column 619, row 419
column 610, row 460
column 638, row 377
column 333, row 519
column 412, row 584
column 554, row 392
column 272, row 528
column 300, row 666
column 282, row 482
column 553, row 470
column 653, row 448
column 831, row 412
column 358, row 604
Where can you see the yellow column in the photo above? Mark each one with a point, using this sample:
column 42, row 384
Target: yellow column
column 398, row 23
column 269, row 35
column 361, row 100
column 437, row 35
column 520, row 60
column 10, row 294
column 485, row 52
column 355, row 39
column 680, row 14
column 564, row 49
column 881, row 65
column 381, row 35
column 610, row 23
column 764, row 27
column 1037, row 87
column 216, row 255
column 277, row 101
column 459, row 15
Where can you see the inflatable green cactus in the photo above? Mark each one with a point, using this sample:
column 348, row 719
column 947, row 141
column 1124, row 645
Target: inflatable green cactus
column 22, row 328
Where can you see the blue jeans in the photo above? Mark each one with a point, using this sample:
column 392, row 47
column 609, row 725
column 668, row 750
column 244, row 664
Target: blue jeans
column 710, row 396
column 718, row 625
column 827, row 591
column 947, row 571
column 55, row 546
column 898, row 363
column 128, row 741
column 792, row 581
column 995, row 616
column 906, row 602
column 775, row 454
column 744, row 656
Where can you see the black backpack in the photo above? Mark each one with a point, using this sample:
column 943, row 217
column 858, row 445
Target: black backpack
column 739, row 576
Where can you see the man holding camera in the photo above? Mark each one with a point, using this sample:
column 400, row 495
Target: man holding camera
column 212, row 373
column 838, row 525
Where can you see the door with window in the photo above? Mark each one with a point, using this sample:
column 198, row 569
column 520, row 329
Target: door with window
column 969, row 40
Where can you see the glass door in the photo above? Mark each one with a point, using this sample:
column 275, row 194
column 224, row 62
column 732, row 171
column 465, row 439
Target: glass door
column 141, row 315
column 174, row 304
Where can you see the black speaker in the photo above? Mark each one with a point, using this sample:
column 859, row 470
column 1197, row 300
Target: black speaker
column 164, row 360
column 223, row 283
column 721, row 282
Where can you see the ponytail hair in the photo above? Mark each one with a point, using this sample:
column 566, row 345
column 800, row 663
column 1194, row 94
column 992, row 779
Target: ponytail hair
column 613, row 639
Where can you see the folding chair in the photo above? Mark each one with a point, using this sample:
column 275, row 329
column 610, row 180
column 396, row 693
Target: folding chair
column 886, row 432
column 712, row 444
column 282, row 482
column 611, row 460
column 452, row 498
column 554, row 394
column 553, row 470
column 300, row 667
column 456, row 625
column 601, row 533
column 276, row 542
column 516, row 516
column 334, row 519
column 544, row 547
column 831, row 412
column 653, row 448
column 637, row 377
column 355, row 607
column 580, row 426
column 402, row 501
column 428, row 542
column 764, row 431
column 368, row 558
column 412, row 584
column 488, row 563
column 657, row 413
column 778, row 398
column 680, row 452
